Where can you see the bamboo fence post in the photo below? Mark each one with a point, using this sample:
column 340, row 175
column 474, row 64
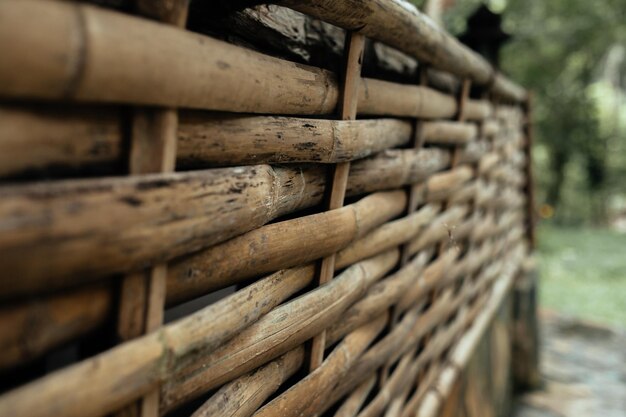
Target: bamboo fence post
column 354, row 48
column 415, row 195
column 462, row 100
column 152, row 150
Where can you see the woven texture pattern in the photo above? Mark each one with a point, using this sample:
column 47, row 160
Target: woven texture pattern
column 191, row 226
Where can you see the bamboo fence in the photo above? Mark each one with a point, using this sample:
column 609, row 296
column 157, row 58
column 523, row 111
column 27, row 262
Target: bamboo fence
column 196, row 227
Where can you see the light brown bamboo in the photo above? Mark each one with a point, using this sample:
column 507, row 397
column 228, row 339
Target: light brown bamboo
column 385, row 237
column 237, row 140
column 355, row 400
column 36, row 137
column 403, row 27
column 46, row 137
column 277, row 332
column 308, row 396
column 388, row 235
column 91, row 387
column 27, row 330
column 448, row 132
column 243, row 396
column 165, row 66
column 100, row 47
column 131, row 222
column 379, row 298
column 394, row 167
column 279, row 245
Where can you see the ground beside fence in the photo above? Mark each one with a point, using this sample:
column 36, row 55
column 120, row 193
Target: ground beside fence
column 583, row 369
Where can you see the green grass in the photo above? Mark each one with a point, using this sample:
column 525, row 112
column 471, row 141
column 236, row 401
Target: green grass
column 583, row 273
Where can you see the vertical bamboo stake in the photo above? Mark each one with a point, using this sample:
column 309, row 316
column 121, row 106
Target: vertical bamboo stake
column 413, row 200
column 529, row 189
column 354, row 47
column 456, row 154
column 152, row 150
column 414, row 190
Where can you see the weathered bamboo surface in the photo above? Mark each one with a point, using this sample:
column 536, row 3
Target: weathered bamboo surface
column 403, row 27
column 46, row 137
column 169, row 201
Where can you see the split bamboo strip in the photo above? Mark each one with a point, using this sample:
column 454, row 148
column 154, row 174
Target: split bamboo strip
column 336, row 188
column 152, row 149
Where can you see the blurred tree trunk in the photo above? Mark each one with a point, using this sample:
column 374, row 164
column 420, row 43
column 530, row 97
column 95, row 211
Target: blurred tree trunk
column 558, row 161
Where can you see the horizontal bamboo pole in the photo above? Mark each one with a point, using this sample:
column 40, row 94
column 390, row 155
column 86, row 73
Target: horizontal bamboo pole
column 243, row 396
column 50, row 137
column 27, row 330
column 279, row 245
column 382, row 295
column 394, row 168
column 406, row 273
column 89, row 307
column 278, row 331
column 155, row 64
column 240, row 140
column 64, row 328
column 91, row 387
column 77, row 49
column 448, row 132
column 79, row 230
column 39, row 137
column 403, row 27
column 355, row 400
column 298, row 399
column 389, row 235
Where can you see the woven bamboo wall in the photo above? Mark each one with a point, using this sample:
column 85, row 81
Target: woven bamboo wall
column 191, row 226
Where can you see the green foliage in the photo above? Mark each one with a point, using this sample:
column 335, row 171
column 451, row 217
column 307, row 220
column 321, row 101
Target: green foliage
column 568, row 53
column 583, row 272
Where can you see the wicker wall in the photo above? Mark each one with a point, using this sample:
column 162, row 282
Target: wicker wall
column 191, row 226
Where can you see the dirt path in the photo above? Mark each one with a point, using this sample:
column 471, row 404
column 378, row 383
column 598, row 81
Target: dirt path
column 583, row 366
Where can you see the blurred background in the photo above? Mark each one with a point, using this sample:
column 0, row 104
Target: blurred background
column 572, row 54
